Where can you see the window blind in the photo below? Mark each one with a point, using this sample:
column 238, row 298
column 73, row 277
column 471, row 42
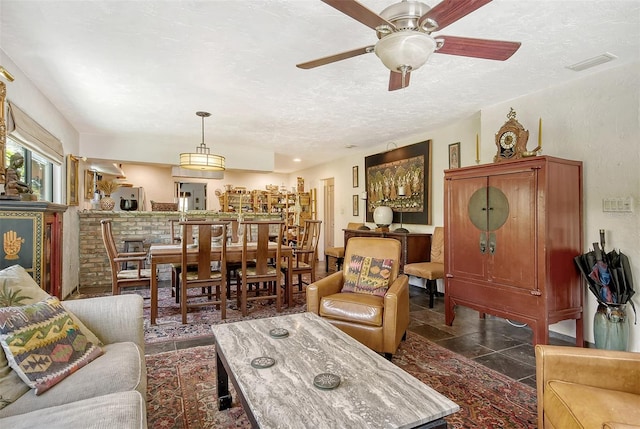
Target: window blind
column 33, row 136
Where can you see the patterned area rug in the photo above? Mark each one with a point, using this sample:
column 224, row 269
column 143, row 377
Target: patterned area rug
column 182, row 389
column 169, row 325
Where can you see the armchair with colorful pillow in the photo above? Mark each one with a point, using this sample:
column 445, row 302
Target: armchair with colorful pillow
column 369, row 299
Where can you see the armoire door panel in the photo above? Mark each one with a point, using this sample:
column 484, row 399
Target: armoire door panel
column 468, row 257
column 512, row 258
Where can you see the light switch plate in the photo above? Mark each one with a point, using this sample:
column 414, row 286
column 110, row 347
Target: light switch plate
column 618, row 204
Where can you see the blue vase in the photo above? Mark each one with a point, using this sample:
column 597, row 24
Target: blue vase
column 611, row 327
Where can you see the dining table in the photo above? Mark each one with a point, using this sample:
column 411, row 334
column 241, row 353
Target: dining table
column 172, row 254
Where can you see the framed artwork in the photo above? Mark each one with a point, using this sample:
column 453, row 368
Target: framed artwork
column 354, row 178
column 408, row 167
column 72, row 180
column 454, row 155
column 88, row 184
column 356, row 205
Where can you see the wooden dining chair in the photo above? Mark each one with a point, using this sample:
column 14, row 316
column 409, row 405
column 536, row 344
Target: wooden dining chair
column 202, row 276
column 260, row 263
column 127, row 277
column 305, row 254
column 176, row 238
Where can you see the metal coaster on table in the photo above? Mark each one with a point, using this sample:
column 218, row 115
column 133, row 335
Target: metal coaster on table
column 279, row 333
column 326, row 381
column 263, row 362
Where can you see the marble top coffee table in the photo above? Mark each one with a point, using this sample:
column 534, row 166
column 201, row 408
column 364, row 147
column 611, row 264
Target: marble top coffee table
column 372, row 392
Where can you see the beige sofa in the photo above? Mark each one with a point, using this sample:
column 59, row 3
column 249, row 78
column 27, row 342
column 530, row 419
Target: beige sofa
column 109, row 392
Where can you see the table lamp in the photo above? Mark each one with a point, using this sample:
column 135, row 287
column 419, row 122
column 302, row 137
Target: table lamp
column 401, row 194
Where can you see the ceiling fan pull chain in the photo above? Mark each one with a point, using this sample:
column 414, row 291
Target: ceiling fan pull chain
column 404, row 69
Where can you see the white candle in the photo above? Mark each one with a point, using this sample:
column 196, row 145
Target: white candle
column 401, row 191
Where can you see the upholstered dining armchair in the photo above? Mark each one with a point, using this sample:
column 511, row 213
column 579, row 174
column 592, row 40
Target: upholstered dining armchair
column 337, row 252
column 434, row 268
column 368, row 300
column 123, row 278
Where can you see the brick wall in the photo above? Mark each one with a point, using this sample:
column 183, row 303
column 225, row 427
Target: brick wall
column 150, row 227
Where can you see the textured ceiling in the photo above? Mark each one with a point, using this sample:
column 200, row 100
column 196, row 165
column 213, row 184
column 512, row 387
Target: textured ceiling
column 145, row 67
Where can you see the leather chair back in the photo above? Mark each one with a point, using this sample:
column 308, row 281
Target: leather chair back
column 381, row 248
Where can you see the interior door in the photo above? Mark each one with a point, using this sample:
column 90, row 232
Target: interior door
column 329, row 220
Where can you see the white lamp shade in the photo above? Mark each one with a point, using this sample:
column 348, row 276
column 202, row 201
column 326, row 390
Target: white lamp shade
column 405, row 48
column 383, row 216
column 202, row 161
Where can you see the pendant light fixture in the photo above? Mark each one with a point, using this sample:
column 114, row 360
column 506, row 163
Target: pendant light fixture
column 202, row 159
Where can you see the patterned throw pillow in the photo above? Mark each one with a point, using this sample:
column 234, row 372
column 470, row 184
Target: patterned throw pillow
column 43, row 344
column 367, row 275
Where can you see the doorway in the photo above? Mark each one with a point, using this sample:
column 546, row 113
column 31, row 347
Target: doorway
column 329, row 212
column 191, row 196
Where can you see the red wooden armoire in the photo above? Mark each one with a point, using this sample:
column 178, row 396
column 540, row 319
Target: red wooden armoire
column 512, row 231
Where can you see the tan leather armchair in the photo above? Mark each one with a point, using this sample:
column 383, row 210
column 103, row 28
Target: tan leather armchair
column 378, row 322
column 587, row 388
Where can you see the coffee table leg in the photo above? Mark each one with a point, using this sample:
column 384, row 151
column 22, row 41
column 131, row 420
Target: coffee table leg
column 224, row 397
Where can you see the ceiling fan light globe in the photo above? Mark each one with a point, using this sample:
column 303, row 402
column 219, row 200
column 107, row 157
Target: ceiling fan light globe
column 408, row 49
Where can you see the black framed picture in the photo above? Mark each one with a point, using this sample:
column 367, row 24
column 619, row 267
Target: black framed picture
column 356, row 206
column 354, row 176
column 401, row 179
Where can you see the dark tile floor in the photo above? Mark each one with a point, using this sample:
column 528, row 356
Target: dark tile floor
column 493, row 342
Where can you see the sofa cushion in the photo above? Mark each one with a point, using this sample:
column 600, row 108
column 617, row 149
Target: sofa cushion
column 43, row 344
column 17, row 287
column 119, row 369
column 121, row 410
column 570, row 405
column 353, row 307
column 367, row 275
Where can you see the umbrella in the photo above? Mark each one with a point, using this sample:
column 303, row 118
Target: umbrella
column 608, row 275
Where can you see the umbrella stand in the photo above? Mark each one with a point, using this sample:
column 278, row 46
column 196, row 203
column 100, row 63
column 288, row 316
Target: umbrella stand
column 608, row 277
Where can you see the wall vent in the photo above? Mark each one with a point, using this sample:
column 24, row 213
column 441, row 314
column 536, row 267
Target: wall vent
column 592, row 62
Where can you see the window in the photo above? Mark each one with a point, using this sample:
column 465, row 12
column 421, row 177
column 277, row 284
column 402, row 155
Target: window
column 37, row 171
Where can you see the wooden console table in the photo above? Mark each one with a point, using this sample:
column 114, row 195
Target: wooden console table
column 415, row 247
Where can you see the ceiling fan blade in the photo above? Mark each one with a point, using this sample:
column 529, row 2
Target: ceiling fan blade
column 359, row 12
column 395, row 80
column 333, row 58
column 477, row 48
column 449, row 11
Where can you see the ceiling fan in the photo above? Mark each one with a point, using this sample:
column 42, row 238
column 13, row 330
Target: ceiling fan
column 405, row 41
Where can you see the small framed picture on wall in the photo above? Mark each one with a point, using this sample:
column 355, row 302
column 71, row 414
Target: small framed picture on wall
column 454, row 155
column 354, row 173
column 356, row 211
